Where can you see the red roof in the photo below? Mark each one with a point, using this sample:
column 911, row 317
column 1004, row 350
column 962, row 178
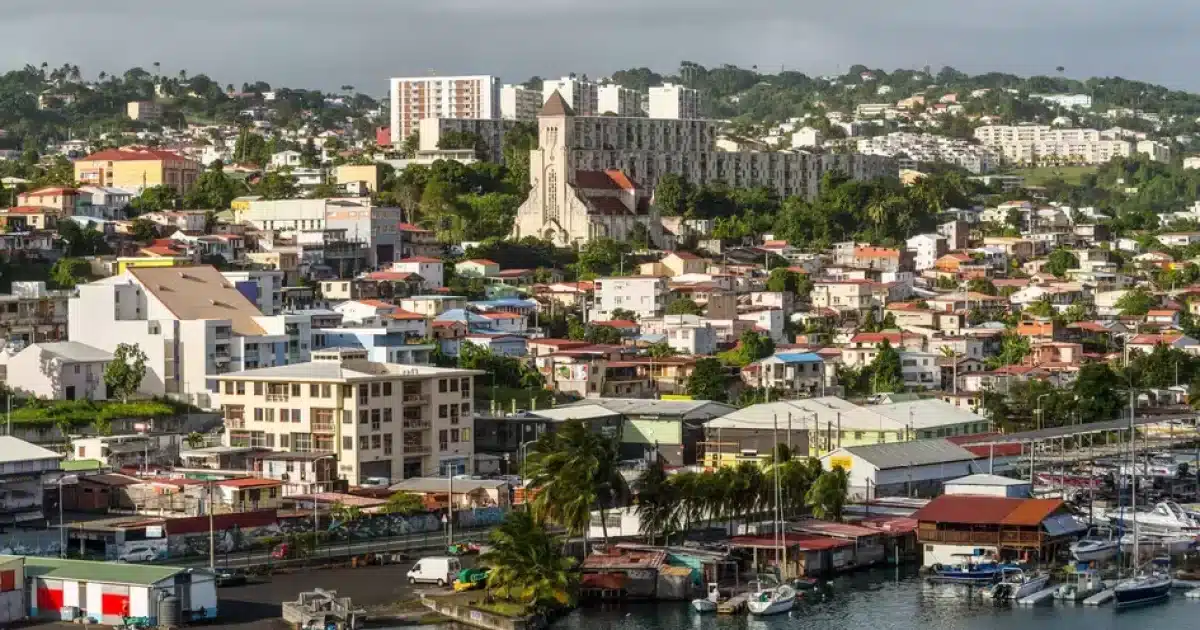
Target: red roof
column 123, row 155
column 610, row 179
column 559, row 343
column 480, row 261
column 249, row 482
column 408, row 227
column 402, row 314
column 514, row 273
column 53, row 190
column 603, row 581
column 390, row 275
column 616, row 323
column 1162, row 313
column 377, row 304
column 803, row 541
column 986, row 510
column 1153, row 340
column 28, row 210
column 686, row 255
column 775, row 244
column 876, row 252
column 419, row 259
column 879, row 337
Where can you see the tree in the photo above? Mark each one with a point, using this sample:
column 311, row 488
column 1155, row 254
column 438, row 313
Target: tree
column 709, row 381
column 981, row 285
column 751, row 347
column 827, row 497
column 212, row 190
column 1096, row 398
column 672, row 195
column 1136, row 301
column 68, row 272
column 1040, row 308
column 153, row 199
column 276, row 185
column 410, row 145
column 684, row 306
column 657, row 503
column 782, row 280
column 660, row 350
column 143, row 230
column 528, row 565
column 1013, row 349
column 1059, row 261
column 887, row 375
column 125, row 372
column 623, row 314
column 404, row 503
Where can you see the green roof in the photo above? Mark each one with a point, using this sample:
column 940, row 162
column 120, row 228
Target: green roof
column 80, row 465
column 89, row 571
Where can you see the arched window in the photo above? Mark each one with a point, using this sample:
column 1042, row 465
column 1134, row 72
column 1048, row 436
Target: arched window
column 552, row 195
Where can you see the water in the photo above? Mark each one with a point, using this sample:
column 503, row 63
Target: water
column 893, row 600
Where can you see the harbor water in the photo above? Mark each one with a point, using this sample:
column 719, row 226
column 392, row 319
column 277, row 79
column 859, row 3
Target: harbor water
column 893, row 600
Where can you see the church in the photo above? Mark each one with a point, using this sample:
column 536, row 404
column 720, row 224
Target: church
column 568, row 205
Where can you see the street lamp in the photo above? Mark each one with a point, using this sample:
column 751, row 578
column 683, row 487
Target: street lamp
column 1038, row 411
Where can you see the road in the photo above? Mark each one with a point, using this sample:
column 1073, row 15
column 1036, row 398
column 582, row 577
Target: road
column 412, row 544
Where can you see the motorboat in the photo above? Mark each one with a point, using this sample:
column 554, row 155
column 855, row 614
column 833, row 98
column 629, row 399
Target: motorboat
column 1097, row 545
column 708, row 603
column 1080, row 585
column 1167, row 517
column 772, row 601
column 968, row 573
column 1142, row 590
column 1159, row 543
column 1015, row 584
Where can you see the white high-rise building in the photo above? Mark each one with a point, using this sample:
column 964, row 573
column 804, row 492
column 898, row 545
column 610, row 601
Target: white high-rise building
column 582, row 95
column 674, row 101
column 618, row 100
column 414, row 98
column 518, row 102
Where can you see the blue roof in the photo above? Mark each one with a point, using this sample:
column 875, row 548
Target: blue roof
column 799, row 357
column 463, row 315
column 506, row 302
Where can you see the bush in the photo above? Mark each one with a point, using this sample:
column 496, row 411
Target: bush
column 82, row 412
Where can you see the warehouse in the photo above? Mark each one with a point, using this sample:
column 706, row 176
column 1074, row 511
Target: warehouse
column 917, row 468
column 109, row 591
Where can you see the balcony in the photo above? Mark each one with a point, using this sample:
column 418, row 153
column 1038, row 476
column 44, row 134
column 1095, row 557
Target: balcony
column 417, row 449
column 235, row 423
column 416, row 424
column 323, row 427
column 277, row 397
column 416, row 399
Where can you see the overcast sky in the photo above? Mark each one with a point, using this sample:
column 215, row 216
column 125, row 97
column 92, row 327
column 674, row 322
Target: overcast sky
column 328, row 43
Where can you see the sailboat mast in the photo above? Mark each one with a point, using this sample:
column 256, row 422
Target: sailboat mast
column 1133, row 482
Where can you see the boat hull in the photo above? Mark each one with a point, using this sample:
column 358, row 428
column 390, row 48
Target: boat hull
column 1131, row 596
column 704, row 605
column 773, row 602
column 1097, row 553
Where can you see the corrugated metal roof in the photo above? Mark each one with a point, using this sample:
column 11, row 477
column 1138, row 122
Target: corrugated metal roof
column 17, row 450
column 690, row 409
column 98, row 572
column 986, row 510
column 914, row 453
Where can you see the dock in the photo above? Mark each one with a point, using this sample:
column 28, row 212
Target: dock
column 1193, row 594
column 1043, row 595
column 733, row 605
column 1101, row 598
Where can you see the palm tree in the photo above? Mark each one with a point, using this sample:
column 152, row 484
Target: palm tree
column 527, row 564
column 157, row 69
column 657, row 503
column 827, row 497
column 195, row 439
column 573, row 471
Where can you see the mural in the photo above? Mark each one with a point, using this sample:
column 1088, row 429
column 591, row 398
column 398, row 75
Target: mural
column 147, row 550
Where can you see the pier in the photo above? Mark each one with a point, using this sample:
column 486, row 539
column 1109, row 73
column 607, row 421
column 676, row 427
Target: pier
column 1101, row 598
column 1043, row 595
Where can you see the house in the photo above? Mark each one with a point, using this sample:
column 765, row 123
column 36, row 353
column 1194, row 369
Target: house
column 1163, row 317
column 913, row 468
column 61, row 200
column 1147, row 343
column 1000, row 527
column 498, row 343
column 921, row 370
column 430, row 270
column 287, row 159
column 797, row 373
column 58, row 370
column 862, row 347
column 137, row 170
column 463, row 493
column 675, row 264
column 433, row 305
column 672, row 429
column 25, row 469
column 103, row 202
column 27, row 218
column 477, row 267
column 843, row 295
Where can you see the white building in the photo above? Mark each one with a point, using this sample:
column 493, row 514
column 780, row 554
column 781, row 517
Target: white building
column 25, row 469
column 1068, row 101
column 674, row 101
column 615, row 99
column 696, row 339
column 189, row 321
column 105, row 202
column 262, row 287
column 806, row 138
column 1029, row 143
column 913, row 468
column 920, row 148
column 59, row 370
column 286, row 159
column 646, row 296
column 380, row 419
column 982, row 484
column 520, row 103
column 926, row 249
column 431, row 270
column 581, row 95
column 490, row 130
column 416, row 98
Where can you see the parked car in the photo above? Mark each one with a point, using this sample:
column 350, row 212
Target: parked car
column 230, row 577
column 138, row 553
column 440, row 570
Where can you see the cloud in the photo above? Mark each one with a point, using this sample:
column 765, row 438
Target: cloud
column 317, row 43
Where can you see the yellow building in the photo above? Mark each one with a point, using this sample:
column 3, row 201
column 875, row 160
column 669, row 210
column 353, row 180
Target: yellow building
column 241, row 205
column 137, row 169
column 369, row 173
column 137, row 262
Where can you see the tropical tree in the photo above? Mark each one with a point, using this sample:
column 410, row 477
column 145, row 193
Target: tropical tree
column 574, row 471
column 527, row 564
column 404, row 504
column 195, row 439
column 125, row 372
column 827, row 497
column 709, row 381
column 657, row 503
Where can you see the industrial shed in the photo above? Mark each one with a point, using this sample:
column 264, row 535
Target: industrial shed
column 109, row 591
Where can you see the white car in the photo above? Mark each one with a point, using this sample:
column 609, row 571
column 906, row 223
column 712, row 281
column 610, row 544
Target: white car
column 138, row 553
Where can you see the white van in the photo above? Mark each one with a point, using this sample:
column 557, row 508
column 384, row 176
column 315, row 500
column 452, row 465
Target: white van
column 440, row 570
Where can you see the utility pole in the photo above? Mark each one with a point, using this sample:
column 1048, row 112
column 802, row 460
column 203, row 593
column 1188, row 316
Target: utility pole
column 212, row 535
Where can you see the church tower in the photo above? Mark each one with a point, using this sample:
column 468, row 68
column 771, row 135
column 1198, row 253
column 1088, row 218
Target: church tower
column 549, row 165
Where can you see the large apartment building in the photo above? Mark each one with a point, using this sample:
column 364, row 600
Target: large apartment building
column 137, row 170
column 518, row 102
column 581, row 95
column 416, row 98
column 615, row 99
column 645, row 296
column 375, row 227
column 191, row 323
column 674, row 101
column 1026, row 144
column 380, row 419
column 592, row 176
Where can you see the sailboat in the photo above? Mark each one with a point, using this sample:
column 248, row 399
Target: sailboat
column 708, row 603
column 772, row 601
column 1143, row 588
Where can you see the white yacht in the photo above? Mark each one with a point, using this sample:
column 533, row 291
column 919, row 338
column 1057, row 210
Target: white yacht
column 1098, row 545
column 1167, row 517
column 1015, row 584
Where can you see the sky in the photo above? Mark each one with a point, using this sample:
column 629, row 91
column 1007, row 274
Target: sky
column 324, row 44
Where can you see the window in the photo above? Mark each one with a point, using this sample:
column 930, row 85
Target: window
column 295, row 415
column 283, row 442
column 466, row 435
column 454, row 435
column 375, row 418
column 347, row 416
column 326, row 391
column 374, row 390
column 258, row 388
column 270, row 440
column 858, row 435
column 387, row 414
column 347, row 443
column 363, row 391
column 466, row 409
column 241, row 388
column 453, row 385
column 313, row 390
column 296, row 389
column 270, row 415
column 228, row 387
column 442, row 436
column 258, row 414
column 443, row 411
column 387, row 389
column 466, row 386
column 363, row 416
column 387, row 444
column 376, row 441
column 442, row 386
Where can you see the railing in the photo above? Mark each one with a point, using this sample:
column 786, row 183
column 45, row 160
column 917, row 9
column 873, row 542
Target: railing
column 417, row 449
column 1006, row 537
column 416, row 424
column 235, row 423
column 415, row 399
column 277, row 397
column 322, row 427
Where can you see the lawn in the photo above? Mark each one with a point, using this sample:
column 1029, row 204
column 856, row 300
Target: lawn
column 1042, row 174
